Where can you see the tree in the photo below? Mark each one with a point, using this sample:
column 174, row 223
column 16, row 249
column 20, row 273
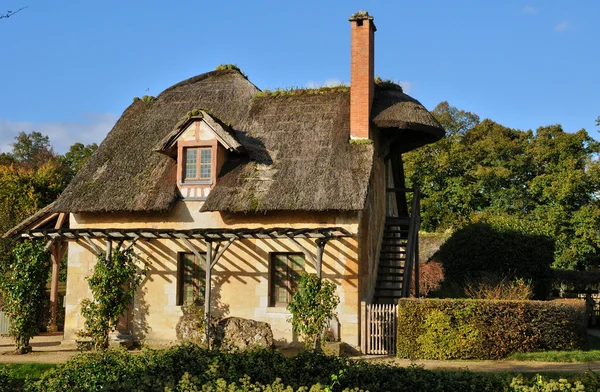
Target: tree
column 482, row 171
column 32, row 150
column 9, row 13
column 24, row 292
column 74, row 159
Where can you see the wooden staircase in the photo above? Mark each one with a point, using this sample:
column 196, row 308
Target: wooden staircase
column 392, row 258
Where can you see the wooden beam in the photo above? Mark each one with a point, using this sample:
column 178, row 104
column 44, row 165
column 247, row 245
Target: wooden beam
column 133, row 241
column 218, row 256
column 44, row 221
column 193, row 248
column 60, row 221
column 304, row 250
column 95, row 248
column 320, row 250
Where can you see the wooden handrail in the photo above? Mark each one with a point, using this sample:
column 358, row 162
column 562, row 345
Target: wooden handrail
column 412, row 246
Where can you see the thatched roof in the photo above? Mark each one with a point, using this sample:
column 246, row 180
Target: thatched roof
column 300, row 158
column 297, row 155
column 126, row 174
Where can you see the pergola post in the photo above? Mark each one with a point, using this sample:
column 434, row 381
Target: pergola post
column 57, row 251
column 207, row 285
column 320, row 250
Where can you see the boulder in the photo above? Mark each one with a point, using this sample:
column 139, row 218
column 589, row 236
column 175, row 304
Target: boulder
column 239, row 333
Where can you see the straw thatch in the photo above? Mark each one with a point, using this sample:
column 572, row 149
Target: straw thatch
column 293, row 151
column 126, row 174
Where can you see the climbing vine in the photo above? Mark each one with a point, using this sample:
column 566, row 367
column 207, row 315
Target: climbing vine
column 113, row 284
column 312, row 307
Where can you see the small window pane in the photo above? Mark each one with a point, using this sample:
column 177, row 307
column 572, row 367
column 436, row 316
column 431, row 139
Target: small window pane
column 190, row 163
column 285, row 273
column 205, row 155
column 205, row 171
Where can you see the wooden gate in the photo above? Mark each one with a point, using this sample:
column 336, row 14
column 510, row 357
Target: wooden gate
column 380, row 328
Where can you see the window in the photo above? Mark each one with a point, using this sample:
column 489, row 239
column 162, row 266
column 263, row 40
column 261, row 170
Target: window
column 191, row 279
column 285, row 273
column 198, row 163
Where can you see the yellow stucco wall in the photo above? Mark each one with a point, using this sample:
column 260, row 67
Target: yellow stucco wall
column 240, row 279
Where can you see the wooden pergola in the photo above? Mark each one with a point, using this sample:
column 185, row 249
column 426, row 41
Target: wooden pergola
column 217, row 241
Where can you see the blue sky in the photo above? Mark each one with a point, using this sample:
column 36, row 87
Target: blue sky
column 69, row 69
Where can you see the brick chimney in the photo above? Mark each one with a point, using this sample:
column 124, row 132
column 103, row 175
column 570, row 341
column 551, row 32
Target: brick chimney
column 362, row 86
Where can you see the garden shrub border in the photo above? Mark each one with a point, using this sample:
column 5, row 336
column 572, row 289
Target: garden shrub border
column 488, row 329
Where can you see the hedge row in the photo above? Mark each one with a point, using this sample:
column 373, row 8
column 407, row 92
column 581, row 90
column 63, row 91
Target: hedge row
column 191, row 368
column 488, row 329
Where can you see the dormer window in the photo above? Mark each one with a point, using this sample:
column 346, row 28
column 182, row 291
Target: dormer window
column 200, row 144
column 198, row 164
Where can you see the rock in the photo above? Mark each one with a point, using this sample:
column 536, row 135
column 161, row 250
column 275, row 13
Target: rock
column 236, row 332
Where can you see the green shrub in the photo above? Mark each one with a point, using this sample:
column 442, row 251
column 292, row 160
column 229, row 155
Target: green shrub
column 486, row 329
column 189, row 367
column 24, row 291
column 312, row 307
column 481, row 252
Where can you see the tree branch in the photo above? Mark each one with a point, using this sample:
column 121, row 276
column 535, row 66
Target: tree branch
column 8, row 14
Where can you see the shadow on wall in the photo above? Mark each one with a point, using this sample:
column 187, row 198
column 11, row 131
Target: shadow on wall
column 480, row 252
column 139, row 323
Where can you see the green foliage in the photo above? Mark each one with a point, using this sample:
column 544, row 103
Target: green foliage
column 486, row 329
column 312, row 307
column 234, row 67
column 194, row 113
column 480, row 252
column 113, row 284
column 387, row 84
column 75, row 158
column 149, row 98
column 518, row 289
column 548, row 180
column 32, row 150
column 303, row 91
column 24, row 291
column 186, row 367
column 361, row 142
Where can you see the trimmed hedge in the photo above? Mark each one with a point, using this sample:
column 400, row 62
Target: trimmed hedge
column 487, row 329
column 481, row 251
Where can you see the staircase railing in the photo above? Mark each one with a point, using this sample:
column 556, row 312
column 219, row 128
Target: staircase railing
column 412, row 248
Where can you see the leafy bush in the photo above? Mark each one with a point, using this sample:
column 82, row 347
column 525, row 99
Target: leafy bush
column 188, row 367
column 486, row 329
column 24, row 291
column 518, row 290
column 312, row 307
column 431, row 276
column 576, row 281
column 481, row 251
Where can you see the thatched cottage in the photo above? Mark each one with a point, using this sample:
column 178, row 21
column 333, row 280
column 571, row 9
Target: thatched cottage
column 215, row 181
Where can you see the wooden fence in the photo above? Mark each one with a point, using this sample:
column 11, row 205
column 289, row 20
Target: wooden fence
column 4, row 323
column 379, row 328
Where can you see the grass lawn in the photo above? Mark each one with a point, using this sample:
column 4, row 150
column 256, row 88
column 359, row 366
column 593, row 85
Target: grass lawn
column 33, row 370
column 593, row 354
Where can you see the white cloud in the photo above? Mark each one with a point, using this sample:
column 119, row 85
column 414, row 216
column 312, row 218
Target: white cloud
column 327, row 83
column 563, row 26
column 92, row 128
column 406, row 86
column 529, row 9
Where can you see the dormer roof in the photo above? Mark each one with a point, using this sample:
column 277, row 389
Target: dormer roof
column 224, row 134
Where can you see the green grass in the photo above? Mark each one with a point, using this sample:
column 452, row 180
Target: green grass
column 593, row 354
column 23, row 370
